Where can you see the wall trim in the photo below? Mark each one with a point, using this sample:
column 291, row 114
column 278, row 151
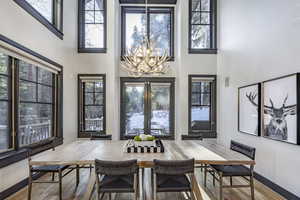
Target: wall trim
column 15, row 188
column 280, row 190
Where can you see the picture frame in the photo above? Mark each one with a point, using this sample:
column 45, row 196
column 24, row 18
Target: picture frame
column 249, row 109
column 280, row 107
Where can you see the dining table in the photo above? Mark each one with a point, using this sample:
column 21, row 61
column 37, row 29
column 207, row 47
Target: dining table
column 84, row 152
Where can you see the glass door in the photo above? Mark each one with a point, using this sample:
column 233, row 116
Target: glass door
column 147, row 106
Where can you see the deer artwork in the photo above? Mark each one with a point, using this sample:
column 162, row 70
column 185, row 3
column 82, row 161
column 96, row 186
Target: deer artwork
column 277, row 127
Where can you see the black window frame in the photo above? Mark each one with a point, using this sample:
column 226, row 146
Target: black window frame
column 151, row 10
column 51, row 26
column 147, row 108
column 17, row 153
column 81, row 106
column 205, row 133
column 213, row 30
column 81, row 29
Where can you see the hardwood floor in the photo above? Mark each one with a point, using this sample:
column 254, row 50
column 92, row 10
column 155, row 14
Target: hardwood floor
column 70, row 192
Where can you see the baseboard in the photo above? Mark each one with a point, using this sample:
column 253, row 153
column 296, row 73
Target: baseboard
column 283, row 192
column 15, row 188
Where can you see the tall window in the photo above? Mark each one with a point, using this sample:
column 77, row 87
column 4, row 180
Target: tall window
column 5, row 103
column 202, row 26
column 147, row 106
column 202, row 105
column 48, row 12
column 92, row 26
column 159, row 29
column 30, row 102
column 36, row 91
column 91, row 104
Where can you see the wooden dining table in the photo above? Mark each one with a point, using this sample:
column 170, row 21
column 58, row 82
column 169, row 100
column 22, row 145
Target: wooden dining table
column 84, row 152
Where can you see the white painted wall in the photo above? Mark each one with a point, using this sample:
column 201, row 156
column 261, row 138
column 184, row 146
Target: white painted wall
column 24, row 29
column 259, row 40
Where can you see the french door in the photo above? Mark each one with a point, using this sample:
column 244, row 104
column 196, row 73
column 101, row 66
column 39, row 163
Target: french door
column 147, row 106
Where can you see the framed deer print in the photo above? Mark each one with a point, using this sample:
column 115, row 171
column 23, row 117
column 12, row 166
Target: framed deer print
column 280, row 107
column 249, row 119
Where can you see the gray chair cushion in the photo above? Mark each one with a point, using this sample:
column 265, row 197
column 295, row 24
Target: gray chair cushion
column 232, row 170
column 119, row 183
column 172, row 183
column 50, row 168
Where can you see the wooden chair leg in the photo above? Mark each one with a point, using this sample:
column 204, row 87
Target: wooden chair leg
column 221, row 186
column 110, row 198
column 91, row 168
column 60, row 184
column 214, row 178
column 29, row 184
column 252, row 187
column 205, row 176
column 230, row 180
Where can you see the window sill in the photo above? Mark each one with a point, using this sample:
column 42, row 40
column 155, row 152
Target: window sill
column 203, row 51
column 92, row 50
column 34, row 13
column 171, row 137
column 192, row 137
column 171, row 59
column 14, row 156
column 203, row 134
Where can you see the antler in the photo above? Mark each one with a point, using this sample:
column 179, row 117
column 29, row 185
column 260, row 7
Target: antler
column 289, row 110
column 252, row 96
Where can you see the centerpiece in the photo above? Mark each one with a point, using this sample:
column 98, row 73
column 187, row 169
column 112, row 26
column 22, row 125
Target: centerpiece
column 144, row 144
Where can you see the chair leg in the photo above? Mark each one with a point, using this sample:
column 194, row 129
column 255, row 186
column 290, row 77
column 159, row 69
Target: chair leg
column 53, row 176
column 91, row 168
column 214, row 178
column 221, row 185
column 77, row 175
column 252, row 187
column 60, row 184
column 29, row 185
column 205, row 176
column 110, row 198
column 230, row 180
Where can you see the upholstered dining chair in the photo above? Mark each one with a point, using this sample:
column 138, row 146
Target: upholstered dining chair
column 220, row 171
column 171, row 176
column 60, row 170
column 116, row 177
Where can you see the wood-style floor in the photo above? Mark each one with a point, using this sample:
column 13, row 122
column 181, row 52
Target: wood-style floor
column 70, row 192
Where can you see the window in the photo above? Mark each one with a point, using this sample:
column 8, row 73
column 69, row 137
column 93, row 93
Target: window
column 30, row 102
column 160, row 28
column 202, row 105
column 147, row 106
column 5, row 103
column 36, row 105
column 47, row 12
column 92, row 26
column 91, row 104
column 202, row 26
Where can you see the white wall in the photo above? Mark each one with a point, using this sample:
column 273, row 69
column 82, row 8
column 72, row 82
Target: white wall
column 259, row 40
column 24, row 29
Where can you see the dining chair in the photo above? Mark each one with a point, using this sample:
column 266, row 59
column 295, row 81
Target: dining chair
column 220, row 171
column 172, row 176
column 116, row 177
column 60, row 170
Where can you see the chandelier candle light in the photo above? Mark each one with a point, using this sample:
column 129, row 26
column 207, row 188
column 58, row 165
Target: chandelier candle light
column 145, row 59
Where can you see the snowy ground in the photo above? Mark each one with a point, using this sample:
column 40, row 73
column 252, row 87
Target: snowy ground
column 160, row 119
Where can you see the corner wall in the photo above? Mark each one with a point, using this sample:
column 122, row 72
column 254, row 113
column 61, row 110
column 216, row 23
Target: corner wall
column 259, row 40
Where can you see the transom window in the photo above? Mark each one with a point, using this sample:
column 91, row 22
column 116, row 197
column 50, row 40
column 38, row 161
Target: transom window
column 202, row 105
column 158, row 27
column 48, row 12
column 91, row 104
column 202, row 26
column 92, row 26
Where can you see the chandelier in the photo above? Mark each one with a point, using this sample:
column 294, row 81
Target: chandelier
column 145, row 59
